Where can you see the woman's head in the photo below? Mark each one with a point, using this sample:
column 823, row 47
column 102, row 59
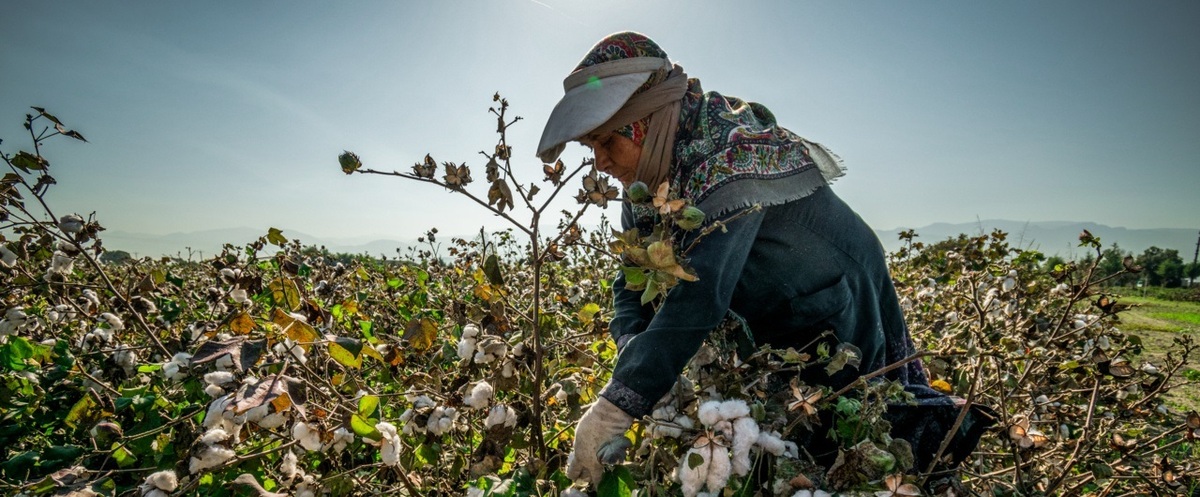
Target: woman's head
column 617, row 68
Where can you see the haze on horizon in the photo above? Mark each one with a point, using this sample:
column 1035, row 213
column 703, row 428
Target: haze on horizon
column 203, row 116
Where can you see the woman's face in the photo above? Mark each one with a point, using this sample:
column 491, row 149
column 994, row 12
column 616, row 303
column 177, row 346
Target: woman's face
column 616, row 156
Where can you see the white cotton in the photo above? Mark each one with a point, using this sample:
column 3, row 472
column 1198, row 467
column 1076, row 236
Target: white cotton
column 1149, row 368
column 390, row 444
column 508, row 369
column 239, row 296
column 771, row 442
column 71, row 224
column 692, row 479
column 422, row 401
column 488, row 349
column 209, row 457
column 470, row 331
column 272, row 421
column 288, row 468
column 441, row 420
column 665, row 413
column 91, row 298
column 821, row 493
column 745, row 434
column 803, row 493
column 1103, row 342
column 572, row 492
column 176, row 368
column 341, row 438
column 479, row 396
column 219, row 378
column 8, row 258
column 113, row 321
column 411, row 427
column 309, row 437
column 733, row 409
column 214, row 436
column 290, row 346
column 126, row 358
column 162, row 480
column 256, row 413
column 1010, row 282
column 501, row 415
column 474, row 492
column 719, row 469
column 62, row 263
column 224, row 362
column 466, row 348
column 709, row 412
column 214, row 391
column 1078, row 324
column 215, row 417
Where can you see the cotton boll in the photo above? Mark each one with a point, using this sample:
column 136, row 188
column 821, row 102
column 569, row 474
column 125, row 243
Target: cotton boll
column 390, row 444
column 210, row 456
column 572, row 492
column 719, row 469
column 341, row 438
column 466, row 348
column 214, row 436
column 113, row 321
column 803, row 493
column 215, row 417
column 498, row 414
column 508, row 369
column 771, row 442
column 62, row 263
column 692, row 479
column 224, row 363
column 272, row 421
column 289, row 467
column 470, row 331
column 709, row 412
column 162, row 480
column 1010, row 282
column 309, row 437
column 126, row 358
column 219, row 378
column 745, row 434
column 733, row 409
column 479, row 396
column 239, row 296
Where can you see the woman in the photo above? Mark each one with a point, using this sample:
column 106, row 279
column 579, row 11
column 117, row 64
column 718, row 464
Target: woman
column 803, row 264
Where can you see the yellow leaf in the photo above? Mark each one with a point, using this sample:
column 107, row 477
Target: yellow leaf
column 299, row 331
column 350, row 307
column 242, row 323
column 371, row 352
column 587, row 313
column 661, row 255
column 285, row 293
column 346, row 351
column 282, row 402
column 941, row 386
column 420, row 333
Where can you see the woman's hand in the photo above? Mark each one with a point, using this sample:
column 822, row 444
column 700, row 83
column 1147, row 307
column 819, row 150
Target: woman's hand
column 597, row 429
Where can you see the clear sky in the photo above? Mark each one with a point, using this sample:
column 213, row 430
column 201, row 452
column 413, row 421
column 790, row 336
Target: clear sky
column 205, row 115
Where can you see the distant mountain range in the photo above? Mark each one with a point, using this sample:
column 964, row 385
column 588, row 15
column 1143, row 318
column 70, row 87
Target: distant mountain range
column 1051, row 237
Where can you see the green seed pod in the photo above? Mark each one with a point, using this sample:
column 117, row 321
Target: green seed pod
column 690, row 218
column 638, row 192
column 349, row 162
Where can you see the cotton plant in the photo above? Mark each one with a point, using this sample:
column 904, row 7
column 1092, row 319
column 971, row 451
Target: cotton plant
column 159, row 484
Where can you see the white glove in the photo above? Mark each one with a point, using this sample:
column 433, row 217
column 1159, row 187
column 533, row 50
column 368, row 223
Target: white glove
column 602, row 427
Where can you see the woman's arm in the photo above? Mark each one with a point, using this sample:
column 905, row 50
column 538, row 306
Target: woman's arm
column 651, row 360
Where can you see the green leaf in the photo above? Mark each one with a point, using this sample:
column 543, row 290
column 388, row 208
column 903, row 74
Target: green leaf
column 695, row 460
column 367, row 405
column 82, row 413
column 275, row 236
column 346, row 351
column 284, row 292
column 587, row 313
column 26, row 162
column 16, row 353
column 616, row 483
column 123, row 456
column 635, row 277
column 491, row 268
column 364, row 427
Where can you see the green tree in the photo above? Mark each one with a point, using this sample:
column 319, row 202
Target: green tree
column 1112, row 262
column 1153, row 261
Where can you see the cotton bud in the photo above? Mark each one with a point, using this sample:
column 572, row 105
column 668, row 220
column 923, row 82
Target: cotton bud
column 309, row 437
column 71, row 224
column 479, row 395
column 745, row 434
column 489, row 349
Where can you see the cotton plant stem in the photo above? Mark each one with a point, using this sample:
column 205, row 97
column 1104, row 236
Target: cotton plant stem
column 1087, row 426
column 962, row 414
